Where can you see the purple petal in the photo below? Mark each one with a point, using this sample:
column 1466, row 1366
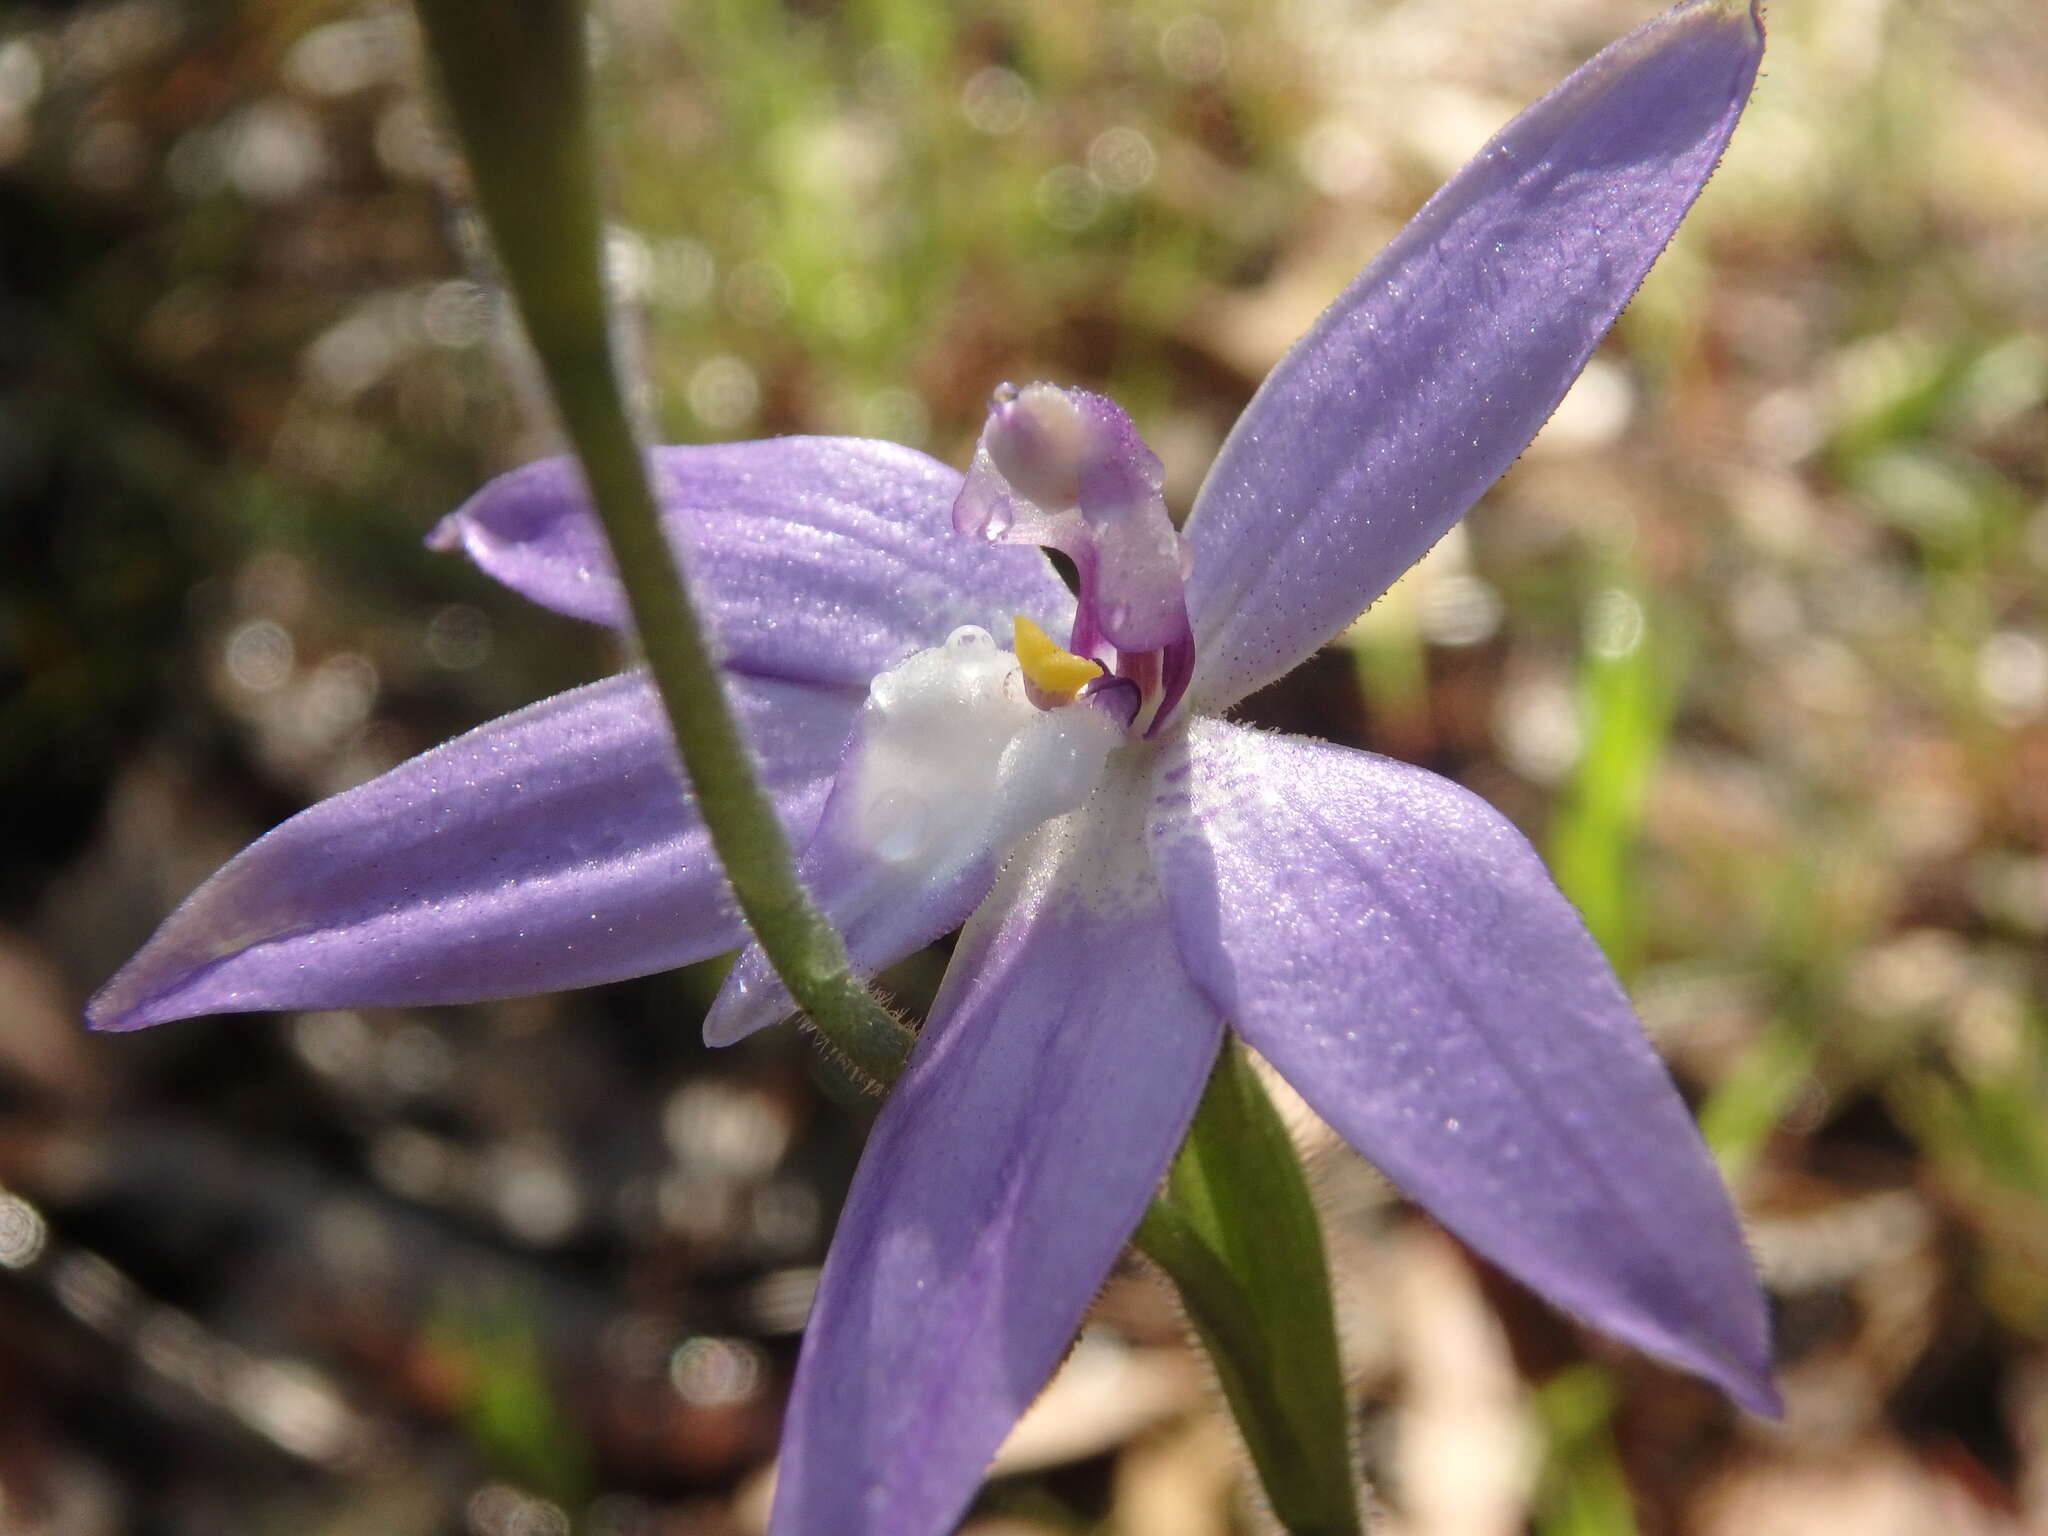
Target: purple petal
column 1399, row 953
column 552, row 848
column 820, row 559
column 1039, row 1111
column 1435, row 367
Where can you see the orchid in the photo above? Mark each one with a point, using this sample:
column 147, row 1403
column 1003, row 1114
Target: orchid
column 1134, row 871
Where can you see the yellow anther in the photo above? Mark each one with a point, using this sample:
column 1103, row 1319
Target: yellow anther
column 1051, row 671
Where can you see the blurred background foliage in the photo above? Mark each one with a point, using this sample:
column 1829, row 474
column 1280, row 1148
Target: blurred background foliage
column 1754, row 640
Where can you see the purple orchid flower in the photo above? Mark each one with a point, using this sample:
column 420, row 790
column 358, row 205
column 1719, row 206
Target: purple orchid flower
column 1133, row 871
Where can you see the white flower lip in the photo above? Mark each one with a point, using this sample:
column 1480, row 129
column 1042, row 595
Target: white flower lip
column 950, row 766
column 954, row 761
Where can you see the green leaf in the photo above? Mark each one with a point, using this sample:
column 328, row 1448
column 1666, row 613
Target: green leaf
column 508, row 1403
column 1583, row 1491
column 1628, row 698
column 1237, row 1233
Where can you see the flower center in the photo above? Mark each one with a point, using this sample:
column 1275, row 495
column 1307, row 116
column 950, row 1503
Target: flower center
column 1054, row 676
column 954, row 757
column 1065, row 469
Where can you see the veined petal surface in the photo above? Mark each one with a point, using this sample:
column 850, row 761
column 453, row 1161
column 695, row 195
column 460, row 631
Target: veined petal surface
column 1063, row 1062
column 820, row 559
column 1435, row 367
column 552, row 848
column 1397, row 950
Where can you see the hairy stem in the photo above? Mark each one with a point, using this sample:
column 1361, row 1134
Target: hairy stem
column 515, row 78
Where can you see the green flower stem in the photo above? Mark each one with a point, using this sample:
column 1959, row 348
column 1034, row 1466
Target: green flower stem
column 515, row 79
column 1234, row 1231
column 1237, row 1232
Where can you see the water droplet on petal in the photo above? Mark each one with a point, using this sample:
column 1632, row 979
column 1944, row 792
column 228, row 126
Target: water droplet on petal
column 901, row 820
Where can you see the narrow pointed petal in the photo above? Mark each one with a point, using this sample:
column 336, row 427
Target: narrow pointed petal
column 820, row 559
column 553, row 848
column 1041, row 1107
column 1435, row 367
column 1396, row 949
